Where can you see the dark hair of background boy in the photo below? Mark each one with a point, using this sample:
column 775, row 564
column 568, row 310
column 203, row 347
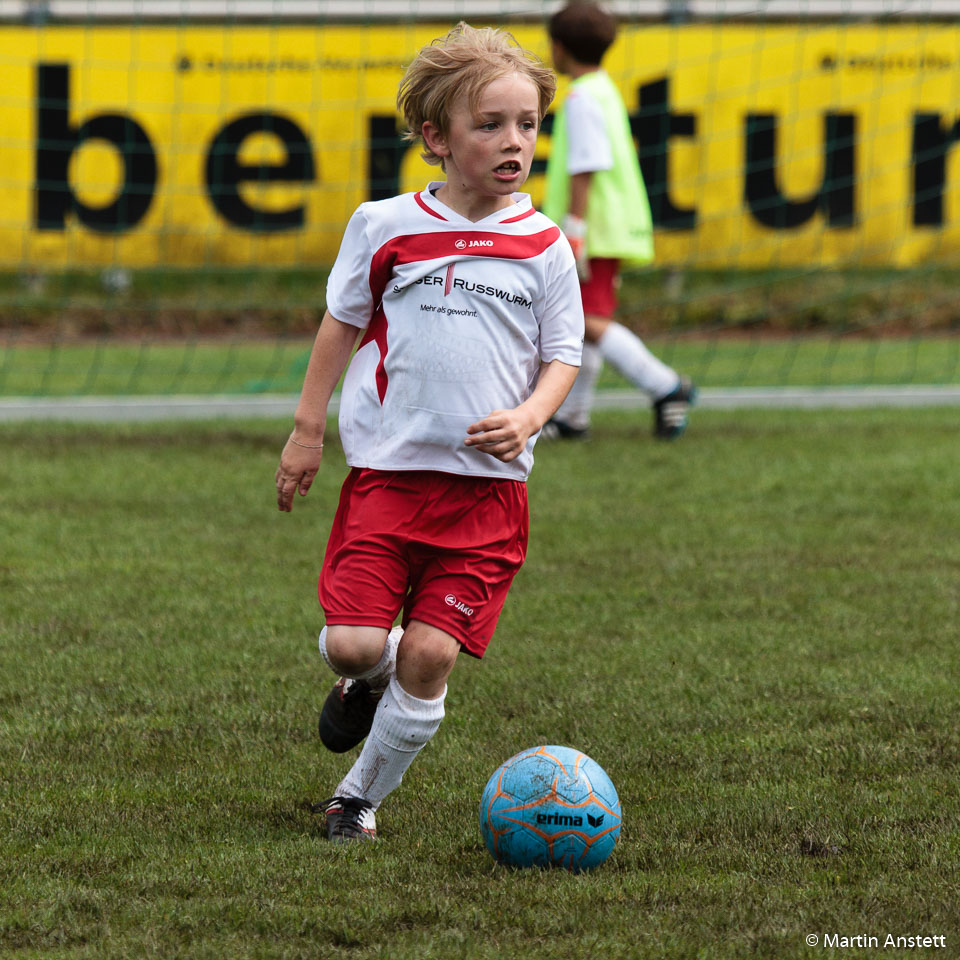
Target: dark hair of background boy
column 584, row 30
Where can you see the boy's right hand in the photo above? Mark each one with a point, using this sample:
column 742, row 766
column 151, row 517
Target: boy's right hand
column 298, row 466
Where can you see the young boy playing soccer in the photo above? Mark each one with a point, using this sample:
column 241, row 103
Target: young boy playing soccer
column 595, row 190
column 469, row 308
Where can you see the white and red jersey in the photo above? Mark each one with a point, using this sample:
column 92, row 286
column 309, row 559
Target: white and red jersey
column 458, row 317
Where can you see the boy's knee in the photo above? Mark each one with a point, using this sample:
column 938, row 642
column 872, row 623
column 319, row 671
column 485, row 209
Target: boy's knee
column 425, row 658
column 353, row 650
column 595, row 327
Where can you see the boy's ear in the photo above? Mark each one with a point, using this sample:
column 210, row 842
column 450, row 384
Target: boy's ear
column 435, row 140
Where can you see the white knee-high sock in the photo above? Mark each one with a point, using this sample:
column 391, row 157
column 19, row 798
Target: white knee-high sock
column 626, row 353
column 576, row 408
column 402, row 727
column 377, row 676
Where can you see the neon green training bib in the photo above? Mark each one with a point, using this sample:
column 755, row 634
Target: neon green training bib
column 618, row 218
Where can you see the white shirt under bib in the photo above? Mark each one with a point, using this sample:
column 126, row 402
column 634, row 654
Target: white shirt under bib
column 458, row 317
column 588, row 144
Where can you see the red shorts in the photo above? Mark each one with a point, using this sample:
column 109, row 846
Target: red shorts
column 599, row 293
column 442, row 548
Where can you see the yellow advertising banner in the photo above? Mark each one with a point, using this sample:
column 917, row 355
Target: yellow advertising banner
column 762, row 145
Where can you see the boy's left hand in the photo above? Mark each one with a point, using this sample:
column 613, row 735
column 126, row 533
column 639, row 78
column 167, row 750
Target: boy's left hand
column 503, row 434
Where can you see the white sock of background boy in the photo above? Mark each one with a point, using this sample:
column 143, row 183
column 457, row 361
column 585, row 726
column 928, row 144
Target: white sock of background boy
column 576, row 409
column 402, row 727
column 377, row 676
column 626, row 353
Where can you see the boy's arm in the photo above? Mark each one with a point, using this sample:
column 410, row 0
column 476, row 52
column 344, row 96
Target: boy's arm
column 504, row 433
column 574, row 223
column 579, row 190
column 301, row 456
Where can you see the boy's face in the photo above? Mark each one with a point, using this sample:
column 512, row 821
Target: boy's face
column 488, row 152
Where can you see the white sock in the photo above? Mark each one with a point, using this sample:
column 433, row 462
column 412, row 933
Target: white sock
column 402, row 727
column 576, row 408
column 625, row 352
column 377, row 676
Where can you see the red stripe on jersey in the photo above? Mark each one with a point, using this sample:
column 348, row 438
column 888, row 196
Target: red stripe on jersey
column 448, row 282
column 377, row 331
column 433, row 213
column 522, row 216
column 468, row 243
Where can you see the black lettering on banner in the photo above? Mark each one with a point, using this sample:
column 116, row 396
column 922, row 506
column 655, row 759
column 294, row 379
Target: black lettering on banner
column 928, row 161
column 57, row 141
column 836, row 196
column 654, row 125
column 225, row 172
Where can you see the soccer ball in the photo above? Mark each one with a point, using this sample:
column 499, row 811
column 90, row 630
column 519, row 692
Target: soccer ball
column 550, row 807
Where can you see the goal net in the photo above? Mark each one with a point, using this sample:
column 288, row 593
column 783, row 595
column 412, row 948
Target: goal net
column 177, row 175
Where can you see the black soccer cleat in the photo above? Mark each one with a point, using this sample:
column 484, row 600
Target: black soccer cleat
column 671, row 413
column 347, row 714
column 555, row 429
column 348, row 819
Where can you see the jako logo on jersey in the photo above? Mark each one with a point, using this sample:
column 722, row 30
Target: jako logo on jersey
column 463, row 244
column 559, row 820
column 451, row 601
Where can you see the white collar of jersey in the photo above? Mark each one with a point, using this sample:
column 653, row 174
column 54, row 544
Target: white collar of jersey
column 522, row 203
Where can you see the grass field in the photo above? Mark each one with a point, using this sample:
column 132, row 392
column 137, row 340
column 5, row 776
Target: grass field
column 753, row 630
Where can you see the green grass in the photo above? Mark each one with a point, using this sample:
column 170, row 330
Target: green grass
column 244, row 366
column 800, row 298
column 87, row 299
column 753, row 631
column 109, row 368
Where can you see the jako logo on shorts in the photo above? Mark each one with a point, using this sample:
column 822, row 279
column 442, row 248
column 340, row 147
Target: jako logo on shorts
column 451, row 601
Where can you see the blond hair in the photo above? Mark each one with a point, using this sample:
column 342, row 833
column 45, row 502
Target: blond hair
column 463, row 64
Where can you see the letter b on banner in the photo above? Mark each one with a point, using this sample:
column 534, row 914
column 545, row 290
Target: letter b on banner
column 56, row 143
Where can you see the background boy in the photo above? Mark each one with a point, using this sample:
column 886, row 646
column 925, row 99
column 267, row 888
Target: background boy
column 470, row 307
column 595, row 190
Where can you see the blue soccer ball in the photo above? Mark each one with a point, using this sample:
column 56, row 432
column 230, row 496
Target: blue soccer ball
column 550, row 807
